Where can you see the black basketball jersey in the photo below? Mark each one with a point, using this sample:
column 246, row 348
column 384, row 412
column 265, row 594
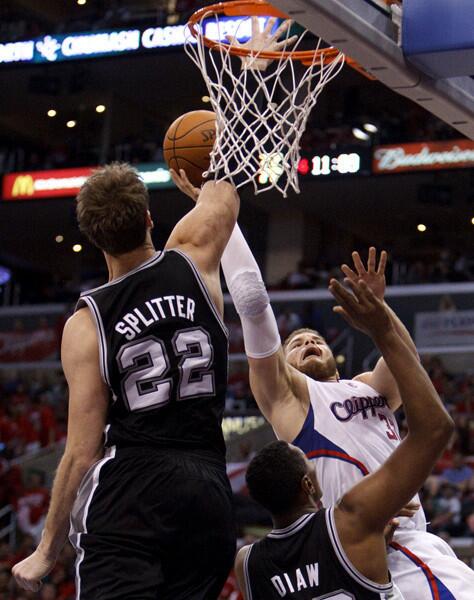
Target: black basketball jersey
column 163, row 354
column 306, row 561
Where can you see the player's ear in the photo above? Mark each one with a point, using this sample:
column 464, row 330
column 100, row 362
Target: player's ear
column 308, row 485
column 149, row 220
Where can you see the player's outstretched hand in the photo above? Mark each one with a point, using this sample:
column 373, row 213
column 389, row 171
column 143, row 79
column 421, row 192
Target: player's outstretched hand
column 374, row 276
column 182, row 182
column 30, row 571
column 264, row 41
column 361, row 308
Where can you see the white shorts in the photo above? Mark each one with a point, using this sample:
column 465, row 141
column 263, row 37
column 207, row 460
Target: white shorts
column 424, row 567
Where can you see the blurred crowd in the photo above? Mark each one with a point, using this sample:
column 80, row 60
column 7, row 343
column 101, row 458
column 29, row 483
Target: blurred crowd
column 444, row 266
column 448, row 496
column 74, row 153
column 439, row 266
column 33, row 415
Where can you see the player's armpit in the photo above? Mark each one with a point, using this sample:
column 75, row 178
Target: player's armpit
column 203, row 233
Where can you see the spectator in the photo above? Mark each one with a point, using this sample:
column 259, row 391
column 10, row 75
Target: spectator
column 460, row 474
column 32, row 506
column 447, row 511
column 446, row 304
column 299, row 279
column 288, row 321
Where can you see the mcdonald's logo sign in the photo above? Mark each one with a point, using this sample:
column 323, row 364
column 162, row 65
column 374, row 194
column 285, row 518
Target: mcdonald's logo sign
column 23, row 186
column 66, row 183
column 44, row 184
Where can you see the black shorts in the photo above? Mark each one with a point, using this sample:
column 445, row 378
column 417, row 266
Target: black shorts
column 153, row 525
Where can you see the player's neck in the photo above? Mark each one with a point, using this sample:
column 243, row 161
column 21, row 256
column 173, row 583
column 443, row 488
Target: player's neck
column 282, row 521
column 123, row 264
column 333, row 378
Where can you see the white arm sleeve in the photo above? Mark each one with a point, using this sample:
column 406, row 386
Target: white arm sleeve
column 246, row 286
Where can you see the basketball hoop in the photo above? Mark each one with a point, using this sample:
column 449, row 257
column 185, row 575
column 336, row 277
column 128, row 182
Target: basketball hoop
column 260, row 115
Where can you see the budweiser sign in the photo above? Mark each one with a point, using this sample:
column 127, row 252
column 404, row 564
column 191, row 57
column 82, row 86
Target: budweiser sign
column 455, row 154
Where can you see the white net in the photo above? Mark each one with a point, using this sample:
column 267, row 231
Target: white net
column 260, row 114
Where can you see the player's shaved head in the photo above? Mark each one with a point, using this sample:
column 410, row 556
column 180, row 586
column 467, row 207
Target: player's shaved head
column 274, row 477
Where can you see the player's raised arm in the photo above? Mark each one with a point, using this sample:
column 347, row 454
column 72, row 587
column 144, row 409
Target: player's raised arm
column 204, row 231
column 279, row 389
column 381, row 378
column 88, row 403
column 367, row 507
column 273, row 381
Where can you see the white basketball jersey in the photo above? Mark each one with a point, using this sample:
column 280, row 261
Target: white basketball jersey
column 349, row 432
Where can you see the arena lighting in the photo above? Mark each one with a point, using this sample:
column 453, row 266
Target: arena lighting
column 71, row 124
column 340, row 359
column 77, row 248
column 472, row 221
column 421, row 227
column 359, row 134
column 52, row 112
column 81, row 2
column 206, row 99
column 5, row 275
column 100, row 108
column 59, row 238
column 370, row 127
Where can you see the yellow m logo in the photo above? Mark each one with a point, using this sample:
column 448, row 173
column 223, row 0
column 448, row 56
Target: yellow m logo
column 23, row 186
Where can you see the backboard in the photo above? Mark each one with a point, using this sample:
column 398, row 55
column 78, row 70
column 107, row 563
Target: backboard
column 364, row 30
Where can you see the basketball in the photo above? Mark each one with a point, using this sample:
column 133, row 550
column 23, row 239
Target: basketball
column 189, row 142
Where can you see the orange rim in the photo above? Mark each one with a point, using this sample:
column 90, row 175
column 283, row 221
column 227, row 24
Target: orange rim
column 253, row 8
column 261, row 8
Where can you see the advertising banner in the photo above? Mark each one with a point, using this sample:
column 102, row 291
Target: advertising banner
column 425, row 156
column 67, row 182
column 445, row 328
column 44, row 184
column 71, row 46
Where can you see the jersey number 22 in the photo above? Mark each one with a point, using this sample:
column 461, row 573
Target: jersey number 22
column 145, row 365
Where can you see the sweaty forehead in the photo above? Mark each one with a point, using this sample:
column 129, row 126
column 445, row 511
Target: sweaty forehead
column 305, row 335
